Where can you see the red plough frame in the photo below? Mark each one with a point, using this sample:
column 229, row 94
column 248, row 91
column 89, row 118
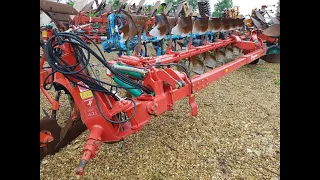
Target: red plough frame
column 165, row 94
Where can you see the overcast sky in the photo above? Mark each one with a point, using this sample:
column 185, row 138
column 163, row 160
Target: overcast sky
column 245, row 5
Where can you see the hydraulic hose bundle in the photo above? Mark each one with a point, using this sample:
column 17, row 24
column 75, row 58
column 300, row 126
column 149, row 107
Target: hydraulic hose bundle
column 53, row 56
column 59, row 64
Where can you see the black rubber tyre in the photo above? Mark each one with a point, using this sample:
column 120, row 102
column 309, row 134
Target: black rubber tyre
column 270, row 44
column 255, row 61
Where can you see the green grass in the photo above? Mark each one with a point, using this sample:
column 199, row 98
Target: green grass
column 261, row 69
column 265, row 70
column 277, row 82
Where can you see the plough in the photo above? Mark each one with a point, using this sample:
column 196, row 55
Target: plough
column 98, row 24
column 158, row 36
column 268, row 32
column 152, row 84
column 66, row 17
column 113, row 22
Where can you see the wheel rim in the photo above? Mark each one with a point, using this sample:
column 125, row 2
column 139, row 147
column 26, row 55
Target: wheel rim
column 273, row 50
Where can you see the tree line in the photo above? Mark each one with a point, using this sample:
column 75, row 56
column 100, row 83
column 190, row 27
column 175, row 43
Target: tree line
column 219, row 6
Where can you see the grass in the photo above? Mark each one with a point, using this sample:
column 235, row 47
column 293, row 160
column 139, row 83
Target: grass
column 277, row 82
column 265, row 70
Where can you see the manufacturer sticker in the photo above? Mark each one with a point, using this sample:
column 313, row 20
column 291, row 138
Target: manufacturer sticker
column 90, row 102
column 86, row 94
column 92, row 112
column 44, row 34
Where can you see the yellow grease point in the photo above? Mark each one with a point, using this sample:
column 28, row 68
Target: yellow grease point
column 227, row 70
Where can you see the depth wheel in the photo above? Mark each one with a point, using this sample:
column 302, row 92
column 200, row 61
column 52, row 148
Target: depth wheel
column 272, row 54
column 273, row 49
column 255, row 61
column 270, row 44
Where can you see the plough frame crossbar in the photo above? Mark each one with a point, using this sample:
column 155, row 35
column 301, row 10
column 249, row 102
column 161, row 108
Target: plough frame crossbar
column 177, row 56
column 202, row 81
column 81, row 18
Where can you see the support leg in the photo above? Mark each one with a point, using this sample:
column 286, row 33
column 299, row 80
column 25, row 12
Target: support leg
column 91, row 147
column 193, row 105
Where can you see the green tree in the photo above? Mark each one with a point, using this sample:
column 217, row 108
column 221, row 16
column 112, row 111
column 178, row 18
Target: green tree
column 115, row 4
column 160, row 9
column 194, row 5
column 70, row 2
column 175, row 4
column 220, row 5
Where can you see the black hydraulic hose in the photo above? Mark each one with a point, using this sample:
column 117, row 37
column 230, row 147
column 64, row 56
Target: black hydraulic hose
column 116, row 73
column 145, row 49
column 77, row 42
column 117, row 122
column 46, row 79
column 58, row 64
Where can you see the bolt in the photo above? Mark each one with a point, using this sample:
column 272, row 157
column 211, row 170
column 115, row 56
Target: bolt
column 72, row 84
column 156, row 104
column 177, row 85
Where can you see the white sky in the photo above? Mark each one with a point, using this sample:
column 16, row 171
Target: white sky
column 245, row 5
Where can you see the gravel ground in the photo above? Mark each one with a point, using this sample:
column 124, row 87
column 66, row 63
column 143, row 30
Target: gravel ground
column 236, row 135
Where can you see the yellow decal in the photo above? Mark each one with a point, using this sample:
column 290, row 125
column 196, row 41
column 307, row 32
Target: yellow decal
column 44, row 34
column 227, row 70
column 86, row 94
column 112, row 31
